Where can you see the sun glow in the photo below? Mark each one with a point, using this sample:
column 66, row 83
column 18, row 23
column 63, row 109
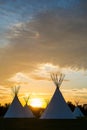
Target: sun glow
column 38, row 102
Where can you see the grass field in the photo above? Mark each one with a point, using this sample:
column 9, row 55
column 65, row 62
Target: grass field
column 37, row 124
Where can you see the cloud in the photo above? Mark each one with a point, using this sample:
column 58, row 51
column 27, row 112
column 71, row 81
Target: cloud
column 4, row 91
column 19, row 78
column 77, row 95
column 44, row 71
column 56, row 36
column 61, row 38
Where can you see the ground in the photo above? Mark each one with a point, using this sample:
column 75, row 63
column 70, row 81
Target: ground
column 37, row 124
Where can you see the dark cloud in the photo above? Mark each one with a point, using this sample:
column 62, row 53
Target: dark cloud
column 55, row 36
column 62, row 38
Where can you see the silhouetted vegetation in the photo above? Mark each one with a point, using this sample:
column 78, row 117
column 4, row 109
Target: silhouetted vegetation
column 83, row 107
column 38, row 111
column 3, row 109
column 35, row 123
column 72, row 106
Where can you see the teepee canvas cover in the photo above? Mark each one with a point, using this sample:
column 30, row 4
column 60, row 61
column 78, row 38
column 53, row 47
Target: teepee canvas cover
column 77, row 112
column 57, row 108
column 27, row 109
column 16, row 109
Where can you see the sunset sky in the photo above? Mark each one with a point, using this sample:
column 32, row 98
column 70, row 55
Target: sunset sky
column 38, row 37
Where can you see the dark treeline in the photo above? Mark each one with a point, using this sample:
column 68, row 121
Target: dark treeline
column 38, row 111
column 3, row 109
column 83, row 107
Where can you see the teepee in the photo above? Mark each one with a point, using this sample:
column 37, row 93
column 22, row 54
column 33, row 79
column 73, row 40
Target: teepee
column 16, row 109
column 57, row 108
column 27, row 109
column 77, row 112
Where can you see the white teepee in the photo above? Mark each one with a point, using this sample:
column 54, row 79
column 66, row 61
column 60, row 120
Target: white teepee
column 27, row 109
column 77, row 112
column 57, row 108
column 16, row 109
